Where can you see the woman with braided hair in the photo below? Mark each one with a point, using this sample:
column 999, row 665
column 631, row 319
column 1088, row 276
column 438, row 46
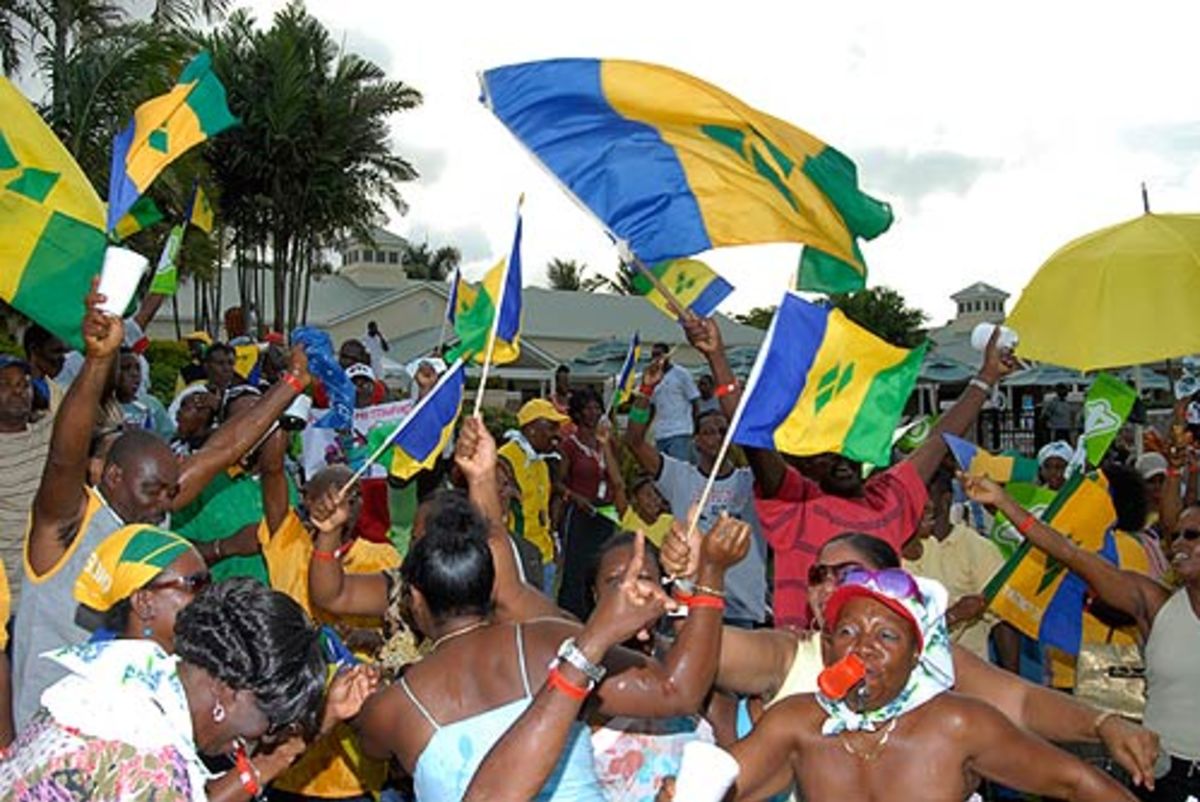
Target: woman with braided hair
column 131, row 722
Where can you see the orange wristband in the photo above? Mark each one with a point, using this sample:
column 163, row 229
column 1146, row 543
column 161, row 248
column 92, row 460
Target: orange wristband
column 713, row 602
column 558, row 682
column 1026, row 524
column 725, row 389
column 331, row 556
column 290, row 380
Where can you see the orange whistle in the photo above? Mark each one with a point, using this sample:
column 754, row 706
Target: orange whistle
column 837, row 680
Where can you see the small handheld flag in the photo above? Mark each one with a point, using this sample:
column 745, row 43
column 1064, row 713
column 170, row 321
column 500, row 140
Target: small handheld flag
column 493, row 307
column 162, row 129
column 628, row 374
column 1106, row 408
column 166, row 275
column 200, row 211
column 695, row 285
column 145, row 213
column 998, row 467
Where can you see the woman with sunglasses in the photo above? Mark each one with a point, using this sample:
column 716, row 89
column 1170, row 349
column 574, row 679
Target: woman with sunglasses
column 134, row 587
column 131, row 722
column 773, row 664
column 1167, row 619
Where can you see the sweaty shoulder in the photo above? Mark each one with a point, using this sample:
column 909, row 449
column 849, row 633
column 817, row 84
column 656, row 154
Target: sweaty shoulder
column 958, row 715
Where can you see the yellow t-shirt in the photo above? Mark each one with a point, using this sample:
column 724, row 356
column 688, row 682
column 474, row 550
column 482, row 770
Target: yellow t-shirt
column 655, row 532
column 1133, row 557
column 964, row 562
column 533, row 479
column 333, row 767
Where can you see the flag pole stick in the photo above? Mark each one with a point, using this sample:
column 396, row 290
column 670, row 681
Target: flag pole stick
column 668, row 296
column 487, row 360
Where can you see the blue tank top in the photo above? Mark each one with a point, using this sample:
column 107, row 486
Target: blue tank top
column 448, row 762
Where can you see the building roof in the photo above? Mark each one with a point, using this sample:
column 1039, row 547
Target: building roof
column 978, row 290
column 382, row 238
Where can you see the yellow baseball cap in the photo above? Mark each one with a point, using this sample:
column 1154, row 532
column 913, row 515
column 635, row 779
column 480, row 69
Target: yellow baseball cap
column 199, row 336
column 124, row 562
column 540, row 409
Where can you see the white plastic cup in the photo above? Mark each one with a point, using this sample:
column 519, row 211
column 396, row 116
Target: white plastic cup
column 983, row 332
column 123, row 270
column 705, row 774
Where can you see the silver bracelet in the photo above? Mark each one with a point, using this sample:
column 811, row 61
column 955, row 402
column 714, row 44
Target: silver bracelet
column 981, row 385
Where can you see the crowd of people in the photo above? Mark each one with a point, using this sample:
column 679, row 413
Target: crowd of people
column 199, row 609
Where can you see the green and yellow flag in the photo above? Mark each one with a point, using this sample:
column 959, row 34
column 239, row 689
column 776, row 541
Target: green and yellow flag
column 52, row 237
column 695, row 285
column 144, row 214
column 200, row 212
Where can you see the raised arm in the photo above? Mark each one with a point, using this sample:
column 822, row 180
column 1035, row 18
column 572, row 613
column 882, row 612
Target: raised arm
column 1009, row 755
column 273, row 479
column 997, row 363
column 148, row 309
column 475, row 455
column 768, row 467
column 239, row 434
column 644, row 452
column 1057, row 716
column 1129, row 592
column 60, row 500
column 519, row 764
column 329, row 587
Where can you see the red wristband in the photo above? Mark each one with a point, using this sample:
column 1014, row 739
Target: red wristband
column 331, row 556
column 712, row 602
column 246, row 772
column 290, row 380
column 725, row 389
column 647, row 390
column 558, row 682
column 1172, row 472
column 1026, row 524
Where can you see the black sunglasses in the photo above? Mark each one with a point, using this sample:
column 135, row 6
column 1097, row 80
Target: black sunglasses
column 1189, row 534
column 819, row 574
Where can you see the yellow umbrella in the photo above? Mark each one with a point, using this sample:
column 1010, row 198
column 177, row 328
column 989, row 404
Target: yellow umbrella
column 1123, row 295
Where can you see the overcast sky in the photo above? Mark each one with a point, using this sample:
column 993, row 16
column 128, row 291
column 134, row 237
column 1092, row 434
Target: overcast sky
column 998, row 131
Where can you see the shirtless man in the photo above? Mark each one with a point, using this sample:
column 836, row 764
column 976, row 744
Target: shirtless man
column 903, row 734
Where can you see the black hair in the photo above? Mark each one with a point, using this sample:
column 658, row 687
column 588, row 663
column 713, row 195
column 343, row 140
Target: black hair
column 35, row 337
column 708, row 413
column 639, row 481
column 561, row 369
column 233, row 394
column 220, row 347
column 1128, row 491
column 879, row 553
column 620, row 540
column 660, row 347
column 256, row 639
column 98, row 436
column 452, row 564
column 132, row 443
column 116, row 618
column 579, row 400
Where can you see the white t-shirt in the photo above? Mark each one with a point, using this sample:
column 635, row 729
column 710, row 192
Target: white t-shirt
column 374, row 343
column 673, row 404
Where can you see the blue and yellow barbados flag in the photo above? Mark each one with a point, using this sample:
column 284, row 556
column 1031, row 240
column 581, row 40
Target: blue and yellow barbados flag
column 1001, row 468
column 673, row 166
column 628, row 374
column 422, row 436
column 824, row 384
column 52, row 236
column 695, row 285
column 494, row 303
column 200, row 211
column 452, row 300
column 162, row 129
column 1036, row 593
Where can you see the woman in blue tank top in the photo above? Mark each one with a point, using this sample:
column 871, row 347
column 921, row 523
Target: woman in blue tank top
column 444, row 715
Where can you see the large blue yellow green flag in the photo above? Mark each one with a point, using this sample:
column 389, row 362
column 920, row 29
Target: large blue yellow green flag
column 673, row 166
column 628, row 374
column 822, row 383
column 162, row 129
column 695, row 285
column 142, row 215
column 423, row 434
column 1036, row 593
column 200, row 211
column 493, row 304
column 52, row 236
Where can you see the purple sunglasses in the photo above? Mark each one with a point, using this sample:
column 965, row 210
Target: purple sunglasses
column 891, row 582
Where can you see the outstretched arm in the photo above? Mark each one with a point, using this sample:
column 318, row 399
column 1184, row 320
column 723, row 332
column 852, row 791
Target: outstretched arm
column 644, row 452
column 1003, row 752
column 1057, row 716
column 59, row 503
column 273, row 479
column 1127, row 591
column 237, row 435
column 997, row 363
column 768, row 467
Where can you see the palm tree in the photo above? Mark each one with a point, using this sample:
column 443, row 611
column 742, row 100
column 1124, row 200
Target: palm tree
column 621, row 284
column 565, row 274
column 426, row 264
column 311, row 164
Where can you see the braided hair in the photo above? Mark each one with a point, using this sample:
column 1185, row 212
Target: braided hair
column 253, row 638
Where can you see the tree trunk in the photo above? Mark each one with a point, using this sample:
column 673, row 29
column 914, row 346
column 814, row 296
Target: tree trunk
column 62, row 42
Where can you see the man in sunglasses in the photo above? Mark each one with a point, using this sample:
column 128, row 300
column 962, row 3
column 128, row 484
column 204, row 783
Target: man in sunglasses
column 805, row 504
column 142, row 482
column 886, row 724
